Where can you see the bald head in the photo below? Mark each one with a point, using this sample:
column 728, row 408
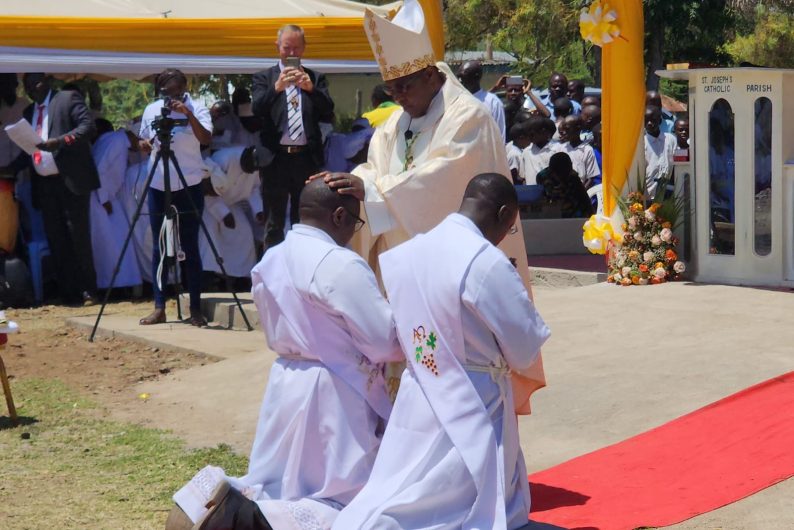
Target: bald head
column 470, row 74
column 328, row 210
column 558, row 86
column 490, row 201
column 591, row 116
column 576, row 89
column 571, row 129
column 491, row 188
column 653, row 98
column 317, row 196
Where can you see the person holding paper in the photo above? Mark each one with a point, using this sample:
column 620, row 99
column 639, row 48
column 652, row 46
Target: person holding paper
column 63, row 178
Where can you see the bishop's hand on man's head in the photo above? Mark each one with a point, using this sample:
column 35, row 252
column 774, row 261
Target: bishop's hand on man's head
column 343, row 183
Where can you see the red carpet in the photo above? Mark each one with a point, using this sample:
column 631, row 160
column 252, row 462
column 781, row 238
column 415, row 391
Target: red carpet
column 694, row 464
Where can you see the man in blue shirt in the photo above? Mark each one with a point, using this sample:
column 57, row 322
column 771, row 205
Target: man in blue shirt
column 558, row 88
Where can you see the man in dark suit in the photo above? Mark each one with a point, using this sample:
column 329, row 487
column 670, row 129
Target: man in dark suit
column 63, row 176
column 292, row 100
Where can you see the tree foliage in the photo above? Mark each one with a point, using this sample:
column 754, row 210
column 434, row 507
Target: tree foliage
column 123, row 99
column 543, row 36
column 771, row 41
column 685, row 31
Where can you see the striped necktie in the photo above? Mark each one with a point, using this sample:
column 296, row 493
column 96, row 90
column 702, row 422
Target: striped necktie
column 294, row 118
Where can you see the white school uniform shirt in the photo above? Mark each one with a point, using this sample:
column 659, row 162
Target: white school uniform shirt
column 47, row 166
column 583, row 160
column 515, row 158
column 659, row 153
column 184, row 144
column 422, row 478
column 496, row 108
column 536, row 159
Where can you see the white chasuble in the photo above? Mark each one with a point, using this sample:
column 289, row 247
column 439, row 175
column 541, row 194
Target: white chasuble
column 450, row 456
column 455, row 141
column 323, row 411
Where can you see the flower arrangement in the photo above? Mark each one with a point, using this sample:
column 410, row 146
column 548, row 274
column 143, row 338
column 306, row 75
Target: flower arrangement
column 647, row 253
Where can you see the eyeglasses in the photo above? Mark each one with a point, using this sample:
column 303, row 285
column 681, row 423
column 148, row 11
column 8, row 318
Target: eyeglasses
column 403, row 85
column 359, row 221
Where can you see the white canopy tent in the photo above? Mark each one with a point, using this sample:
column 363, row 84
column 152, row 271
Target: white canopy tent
column 133, row 38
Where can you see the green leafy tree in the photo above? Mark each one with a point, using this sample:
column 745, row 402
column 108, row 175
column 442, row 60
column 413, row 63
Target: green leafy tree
column 771, row 41
column 543, row 36
column 685, row 31
column 123, row 99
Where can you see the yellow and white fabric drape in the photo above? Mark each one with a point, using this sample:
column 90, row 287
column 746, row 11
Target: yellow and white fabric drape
column 623, row 103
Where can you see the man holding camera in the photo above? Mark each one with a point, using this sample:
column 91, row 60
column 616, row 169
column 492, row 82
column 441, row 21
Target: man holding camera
column 186, row 145
column 292, row 100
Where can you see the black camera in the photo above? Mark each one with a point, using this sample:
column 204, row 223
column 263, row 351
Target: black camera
column 164, row 124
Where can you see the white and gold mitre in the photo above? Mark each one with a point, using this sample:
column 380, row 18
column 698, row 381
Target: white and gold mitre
column 401, row 45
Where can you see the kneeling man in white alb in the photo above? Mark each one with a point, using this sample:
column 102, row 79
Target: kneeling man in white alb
column 326, row 404
column 450, row 457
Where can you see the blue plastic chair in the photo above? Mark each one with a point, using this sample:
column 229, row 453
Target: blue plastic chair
column 36, row 245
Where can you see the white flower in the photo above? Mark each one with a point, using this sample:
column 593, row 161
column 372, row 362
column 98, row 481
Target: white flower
column 625, row 271
column 643, row 281
column 660, row 273
column 679, row 267
column 633, row 222
column 648, row 257
column 617, row 277
column 656, row 241
column 649, row 215
column 666, row 234
column 638, row 236
column 621, row 260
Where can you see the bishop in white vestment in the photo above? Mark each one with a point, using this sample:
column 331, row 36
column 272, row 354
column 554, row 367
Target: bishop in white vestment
column 109, row 222
column 233, row 184
column 450, row 456
column 421, row 159
column 326, row 403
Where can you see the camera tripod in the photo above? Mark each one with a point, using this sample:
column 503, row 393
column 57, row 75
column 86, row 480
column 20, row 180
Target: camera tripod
column 163, row 126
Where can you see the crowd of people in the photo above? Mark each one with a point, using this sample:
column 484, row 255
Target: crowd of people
column 245, row 162
column 399, row 241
